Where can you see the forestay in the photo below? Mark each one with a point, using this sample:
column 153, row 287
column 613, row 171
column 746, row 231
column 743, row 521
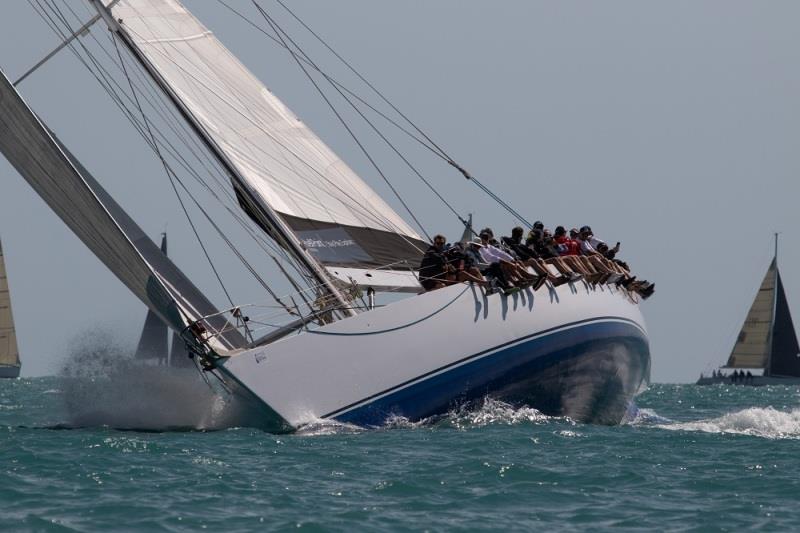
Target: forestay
column 98, row 220
column 333, row 212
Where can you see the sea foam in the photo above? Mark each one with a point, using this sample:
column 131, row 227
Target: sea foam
column 765, row 422
column 103, row 385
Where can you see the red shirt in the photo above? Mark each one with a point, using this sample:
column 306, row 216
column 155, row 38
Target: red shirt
column 572, row 246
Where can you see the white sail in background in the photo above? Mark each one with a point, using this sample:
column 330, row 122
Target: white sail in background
column 337, row 216
column 9, row 355
column 753, row 343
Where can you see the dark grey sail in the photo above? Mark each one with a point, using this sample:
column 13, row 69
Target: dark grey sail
column 784, row 357
column 178, row 355
column 153, row 340
column 87, row 209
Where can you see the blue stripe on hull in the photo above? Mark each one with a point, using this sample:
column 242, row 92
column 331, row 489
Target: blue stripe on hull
column 589, row 372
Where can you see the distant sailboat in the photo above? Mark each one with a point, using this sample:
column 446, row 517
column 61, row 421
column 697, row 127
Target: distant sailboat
column 767, row 343
column 153, row 342
column 9, row 355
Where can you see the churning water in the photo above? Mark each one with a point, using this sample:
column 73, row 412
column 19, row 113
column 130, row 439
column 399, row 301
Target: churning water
column 719, row 457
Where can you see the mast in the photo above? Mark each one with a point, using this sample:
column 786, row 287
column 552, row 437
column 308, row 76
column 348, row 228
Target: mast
column 266, row 214
column 771, row 338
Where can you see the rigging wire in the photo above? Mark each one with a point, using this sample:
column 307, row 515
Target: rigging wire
column 170, row 175
column 335, row 82
column 102, row 75
column 371, row 215
column 374, row 128
column 438, row 149
column 341, row 119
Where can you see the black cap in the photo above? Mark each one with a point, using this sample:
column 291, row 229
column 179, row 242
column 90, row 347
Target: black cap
column 560, row 230
column 586, row 229
column 538, row 225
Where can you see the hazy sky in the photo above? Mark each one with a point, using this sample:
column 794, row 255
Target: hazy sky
column 670, row 126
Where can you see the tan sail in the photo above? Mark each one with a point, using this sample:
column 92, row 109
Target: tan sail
column 9, row 355
column 753, row 343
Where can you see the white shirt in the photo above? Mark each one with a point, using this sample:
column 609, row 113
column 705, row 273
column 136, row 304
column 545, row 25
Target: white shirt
column 586, row 247
column 595, row 242
column 490, row 254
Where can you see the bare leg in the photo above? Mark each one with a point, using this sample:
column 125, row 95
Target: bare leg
column 473, row 275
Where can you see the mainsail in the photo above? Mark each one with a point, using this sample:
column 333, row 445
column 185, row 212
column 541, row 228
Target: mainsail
column 751, row 349
column 9, row 355
column 335, row 214
column 86, row 208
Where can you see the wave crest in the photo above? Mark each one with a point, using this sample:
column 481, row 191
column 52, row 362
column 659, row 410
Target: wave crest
column 495, row 412
column 764, row 422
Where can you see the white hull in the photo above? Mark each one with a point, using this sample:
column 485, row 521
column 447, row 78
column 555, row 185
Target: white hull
column 574, row 351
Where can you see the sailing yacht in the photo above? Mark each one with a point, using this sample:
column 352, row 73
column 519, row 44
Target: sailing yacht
column 576, row 350
column 766, row 347
column 9, row 355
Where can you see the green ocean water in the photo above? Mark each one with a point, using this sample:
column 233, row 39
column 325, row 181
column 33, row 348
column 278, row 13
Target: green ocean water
column 705, row 458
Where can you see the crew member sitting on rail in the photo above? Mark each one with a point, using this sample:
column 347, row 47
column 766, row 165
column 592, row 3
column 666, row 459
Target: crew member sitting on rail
column 463, row 266
column 528, row 257
column 434, row 268
column 593, row 250
column 491, row 270
column 549, row 254
column 513, row 270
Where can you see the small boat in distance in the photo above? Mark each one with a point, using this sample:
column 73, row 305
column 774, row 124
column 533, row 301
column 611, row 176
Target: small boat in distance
column 9, row 355
column 153, row 342
column 766, row 351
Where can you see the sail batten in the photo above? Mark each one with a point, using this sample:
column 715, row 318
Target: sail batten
column 281, row 161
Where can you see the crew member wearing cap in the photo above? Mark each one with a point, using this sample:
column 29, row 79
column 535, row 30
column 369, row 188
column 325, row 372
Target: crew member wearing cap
column 528, row 257
column 514, row 271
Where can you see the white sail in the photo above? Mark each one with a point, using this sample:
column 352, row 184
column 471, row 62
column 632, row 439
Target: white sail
column 9, row 355
column 752, row 346
column 337, row 216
